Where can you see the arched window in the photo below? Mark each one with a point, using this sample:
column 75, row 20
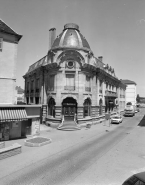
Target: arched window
column 87, row 107
column 51, row 107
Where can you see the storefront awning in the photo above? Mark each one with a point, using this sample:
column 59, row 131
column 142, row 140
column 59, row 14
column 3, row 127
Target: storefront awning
column 12, row 114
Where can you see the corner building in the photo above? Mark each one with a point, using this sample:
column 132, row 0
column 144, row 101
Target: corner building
column 71, row 81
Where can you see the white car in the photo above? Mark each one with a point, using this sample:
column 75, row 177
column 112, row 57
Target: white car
column 116, row 119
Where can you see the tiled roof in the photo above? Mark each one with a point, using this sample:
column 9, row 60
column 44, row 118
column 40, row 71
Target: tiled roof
column 127, row 82
column 5, row 28
column 38, row 64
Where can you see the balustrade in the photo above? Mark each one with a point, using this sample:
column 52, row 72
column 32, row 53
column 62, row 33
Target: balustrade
column 70, row 88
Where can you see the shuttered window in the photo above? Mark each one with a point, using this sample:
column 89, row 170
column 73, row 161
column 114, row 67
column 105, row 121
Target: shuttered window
column 1, row 44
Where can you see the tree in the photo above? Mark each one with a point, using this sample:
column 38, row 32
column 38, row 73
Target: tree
column 138, row 98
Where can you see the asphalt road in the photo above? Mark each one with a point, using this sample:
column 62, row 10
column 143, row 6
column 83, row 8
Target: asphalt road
column 65, row 166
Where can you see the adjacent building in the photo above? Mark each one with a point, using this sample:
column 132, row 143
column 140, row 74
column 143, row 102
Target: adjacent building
column 16, row 121
column 19, row 96
column 71, row 82
column 130, row 91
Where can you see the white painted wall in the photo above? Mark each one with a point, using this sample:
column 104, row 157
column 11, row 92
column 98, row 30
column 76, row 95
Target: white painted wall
column 131, row 93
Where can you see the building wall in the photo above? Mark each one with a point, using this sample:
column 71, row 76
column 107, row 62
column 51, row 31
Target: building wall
column 8, row 57
column 131, row 93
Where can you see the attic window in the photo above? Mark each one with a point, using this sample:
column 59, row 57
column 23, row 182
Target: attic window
column 1, row 44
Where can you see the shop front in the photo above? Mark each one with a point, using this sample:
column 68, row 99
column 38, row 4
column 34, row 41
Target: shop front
column 19, row 121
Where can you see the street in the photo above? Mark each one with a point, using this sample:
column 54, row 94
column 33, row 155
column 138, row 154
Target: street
column 82, row 162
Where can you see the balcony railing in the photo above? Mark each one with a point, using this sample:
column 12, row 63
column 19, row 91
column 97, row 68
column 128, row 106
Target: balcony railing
column 122, row 96
column 50, row 88
column 88, row 89
column 70, row 88
column 110, row 93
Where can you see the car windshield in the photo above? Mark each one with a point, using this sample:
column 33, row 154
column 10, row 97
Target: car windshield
column 116, row 117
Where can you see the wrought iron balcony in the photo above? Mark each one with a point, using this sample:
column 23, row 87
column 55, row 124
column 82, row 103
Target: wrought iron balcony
column 70, row 88
column 50, row 88
column 110, row 93
column 88, row 89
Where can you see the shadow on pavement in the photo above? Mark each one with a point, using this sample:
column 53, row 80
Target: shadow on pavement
column 142, row 122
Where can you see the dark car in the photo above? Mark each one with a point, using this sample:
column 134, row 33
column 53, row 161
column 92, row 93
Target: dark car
column 136, row 179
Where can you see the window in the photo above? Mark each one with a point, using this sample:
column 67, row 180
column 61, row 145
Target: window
column 101, row 87
column 1, row 44
column 51, row 82
column 88, row 84
column 37, row 85
column 87, row 107
column 70, row 82
column 27, row 86
column 32, row 86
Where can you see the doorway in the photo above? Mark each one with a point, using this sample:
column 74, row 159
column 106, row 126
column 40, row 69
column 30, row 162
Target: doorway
column 69, row 108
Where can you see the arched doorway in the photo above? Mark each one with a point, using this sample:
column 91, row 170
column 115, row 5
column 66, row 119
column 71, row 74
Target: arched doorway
column 87, row 107
column 69, row 108
column 51, row 107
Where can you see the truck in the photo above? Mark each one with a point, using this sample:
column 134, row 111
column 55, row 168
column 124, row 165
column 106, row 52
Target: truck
column 129, row 109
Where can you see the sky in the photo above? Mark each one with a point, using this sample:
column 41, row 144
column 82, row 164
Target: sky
column 114, row 29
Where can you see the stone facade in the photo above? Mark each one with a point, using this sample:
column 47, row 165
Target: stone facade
column 71, row 81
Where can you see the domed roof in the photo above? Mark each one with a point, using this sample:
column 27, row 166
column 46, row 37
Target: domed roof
column 71, row 38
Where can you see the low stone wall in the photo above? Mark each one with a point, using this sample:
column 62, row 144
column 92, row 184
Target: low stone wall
column 10, row 151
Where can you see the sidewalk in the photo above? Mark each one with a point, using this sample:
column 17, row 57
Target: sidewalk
column 61, row 140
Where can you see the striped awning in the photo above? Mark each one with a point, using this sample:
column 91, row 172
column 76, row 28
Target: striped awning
column 12, row 114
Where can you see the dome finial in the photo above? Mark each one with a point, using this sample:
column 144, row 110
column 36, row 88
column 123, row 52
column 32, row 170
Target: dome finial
column 71, row 25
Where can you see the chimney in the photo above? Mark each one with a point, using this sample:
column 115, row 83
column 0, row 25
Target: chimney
column 52, row 36
column 100, row 58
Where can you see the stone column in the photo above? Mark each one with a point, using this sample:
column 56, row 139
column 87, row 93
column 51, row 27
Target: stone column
column 81, row 90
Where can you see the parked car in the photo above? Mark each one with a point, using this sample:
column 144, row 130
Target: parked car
column 116, row 119
column 136, row 179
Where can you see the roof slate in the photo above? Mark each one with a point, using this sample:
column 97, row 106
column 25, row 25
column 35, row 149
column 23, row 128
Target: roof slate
column 128, row 82
column 5, row 28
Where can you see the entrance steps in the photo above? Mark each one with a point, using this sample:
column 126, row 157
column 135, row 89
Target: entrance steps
column 68, row 126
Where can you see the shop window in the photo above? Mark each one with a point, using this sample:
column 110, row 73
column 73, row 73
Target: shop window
column 1, row 44
column 70, row 82
column 87, row 107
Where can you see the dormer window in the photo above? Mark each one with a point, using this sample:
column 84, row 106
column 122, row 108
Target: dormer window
column 1, row 44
